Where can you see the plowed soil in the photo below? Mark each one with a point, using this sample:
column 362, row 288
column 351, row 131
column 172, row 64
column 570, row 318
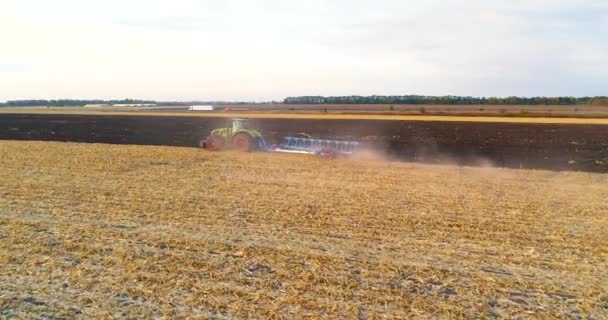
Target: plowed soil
column 516, row 144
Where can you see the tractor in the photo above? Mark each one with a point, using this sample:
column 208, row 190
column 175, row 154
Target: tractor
column 244, row 139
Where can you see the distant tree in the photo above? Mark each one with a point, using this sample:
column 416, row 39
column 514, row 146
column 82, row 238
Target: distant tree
column 445, row 100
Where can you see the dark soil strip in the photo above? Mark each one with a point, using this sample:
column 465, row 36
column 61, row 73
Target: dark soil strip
column 515, row 145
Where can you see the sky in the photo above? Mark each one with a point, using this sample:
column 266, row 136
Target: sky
column 261, row 50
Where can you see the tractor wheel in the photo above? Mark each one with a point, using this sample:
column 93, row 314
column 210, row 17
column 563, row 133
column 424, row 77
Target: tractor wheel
column 243, row 142
column 215, row 142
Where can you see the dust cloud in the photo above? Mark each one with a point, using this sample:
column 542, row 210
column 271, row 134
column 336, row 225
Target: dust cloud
column 423, row 156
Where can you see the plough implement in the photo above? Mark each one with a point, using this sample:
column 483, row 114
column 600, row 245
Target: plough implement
column 240, row 138
column 322, row 147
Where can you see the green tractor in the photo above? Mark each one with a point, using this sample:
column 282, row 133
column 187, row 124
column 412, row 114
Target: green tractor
column 237, row 137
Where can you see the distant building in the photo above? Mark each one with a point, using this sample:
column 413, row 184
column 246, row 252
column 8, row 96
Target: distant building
column 134, row 105
column 201, row 108
column 96, row 105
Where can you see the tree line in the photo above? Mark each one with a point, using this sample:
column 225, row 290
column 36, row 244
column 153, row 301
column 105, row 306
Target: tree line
column 458, row 100
column 407, row 99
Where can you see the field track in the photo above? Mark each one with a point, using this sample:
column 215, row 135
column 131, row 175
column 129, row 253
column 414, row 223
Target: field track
column 555, row 144
column 321, row 116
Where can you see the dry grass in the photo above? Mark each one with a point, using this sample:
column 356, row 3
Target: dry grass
column 278, row 115
column 127, row 231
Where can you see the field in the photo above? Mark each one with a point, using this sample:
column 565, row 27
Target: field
column 595, row 115
column 100, row 231
column 359, row 110
column 555, row 144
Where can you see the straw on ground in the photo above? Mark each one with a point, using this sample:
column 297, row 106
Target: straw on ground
column 92, row 230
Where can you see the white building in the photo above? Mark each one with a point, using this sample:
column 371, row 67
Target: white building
column 201, row 108
column 134, row 105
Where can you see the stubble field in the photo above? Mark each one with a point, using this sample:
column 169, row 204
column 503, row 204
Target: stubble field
column 94, row 230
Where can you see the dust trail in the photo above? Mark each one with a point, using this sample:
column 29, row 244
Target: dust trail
column 424, row 155
column 371, row 154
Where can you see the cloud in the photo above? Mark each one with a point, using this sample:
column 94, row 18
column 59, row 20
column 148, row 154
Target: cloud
column 268, row 49
column 16, row 67
column 166, row 23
